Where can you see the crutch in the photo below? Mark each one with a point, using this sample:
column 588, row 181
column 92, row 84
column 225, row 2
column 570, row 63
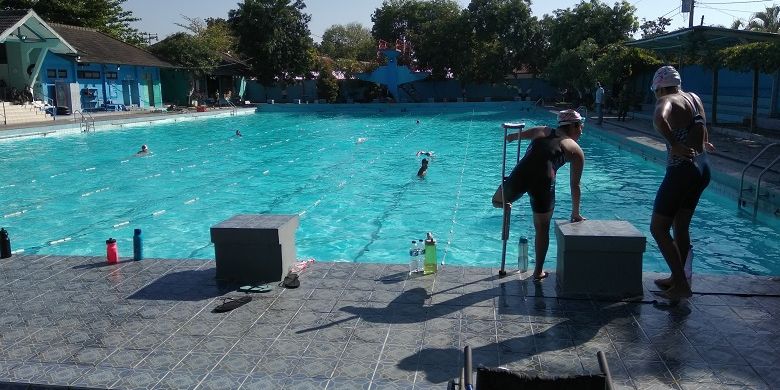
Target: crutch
column 507, row 210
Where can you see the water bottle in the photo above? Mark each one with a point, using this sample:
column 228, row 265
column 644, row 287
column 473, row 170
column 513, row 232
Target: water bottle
column 112, row 253
column 429, row 264
column 5, row 244
column 522, row 254
column 138, row 248
column 414, row 256
column 688, row 266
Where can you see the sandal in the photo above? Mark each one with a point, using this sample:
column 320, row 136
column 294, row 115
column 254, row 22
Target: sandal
column 264, row 288
column 229, row 303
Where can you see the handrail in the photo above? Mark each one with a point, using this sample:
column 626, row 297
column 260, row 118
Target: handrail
column 539, row 102
column 86, row 118
column 233, row 108
column 758, row 180
column 50, row 102
column 5, row 119
column 583, row 108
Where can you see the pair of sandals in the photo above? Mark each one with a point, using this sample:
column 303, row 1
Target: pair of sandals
column 230, row 303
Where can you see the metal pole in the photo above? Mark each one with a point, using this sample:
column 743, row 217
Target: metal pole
column 507, row 211
column 690, row 16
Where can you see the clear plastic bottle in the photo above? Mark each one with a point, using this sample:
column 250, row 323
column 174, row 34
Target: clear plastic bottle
column 522, row 254
column 414, row 258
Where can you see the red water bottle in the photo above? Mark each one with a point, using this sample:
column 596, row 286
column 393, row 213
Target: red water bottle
column 112, row 254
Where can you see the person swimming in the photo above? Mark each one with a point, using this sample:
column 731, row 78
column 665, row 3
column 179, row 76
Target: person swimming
column 423, row 168
column 144, row 151
column 238, row 133
column 361, row 140
column 428, row 153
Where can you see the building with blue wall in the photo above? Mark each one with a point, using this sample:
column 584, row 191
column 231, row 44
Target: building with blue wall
column 75, row 67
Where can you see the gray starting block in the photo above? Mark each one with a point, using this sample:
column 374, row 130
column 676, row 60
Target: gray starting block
column 602, row 258
column 254, row 248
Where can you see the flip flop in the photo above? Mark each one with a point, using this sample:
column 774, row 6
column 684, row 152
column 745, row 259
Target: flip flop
column 260, row 289
column 229, row 303
column 541, row 277
column 245, row 289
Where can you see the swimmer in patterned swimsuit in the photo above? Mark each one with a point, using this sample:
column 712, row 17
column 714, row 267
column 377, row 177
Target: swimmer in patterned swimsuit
column 550, row 148
column 679, row 118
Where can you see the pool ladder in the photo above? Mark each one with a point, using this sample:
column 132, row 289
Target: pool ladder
column 743, row 200
column 87, row 122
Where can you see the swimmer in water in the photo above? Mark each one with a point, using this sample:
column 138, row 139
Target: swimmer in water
column 361, row 140
column 144, row 151
column 423, row 168
column 428, row 153
column 238, row 133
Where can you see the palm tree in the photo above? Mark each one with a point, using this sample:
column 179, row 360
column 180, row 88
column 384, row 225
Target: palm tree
column 768, row 21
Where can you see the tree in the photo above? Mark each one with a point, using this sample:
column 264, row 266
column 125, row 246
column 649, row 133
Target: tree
column 351, row 41
column 568, row 28
column 505, row 38
column 574, row 68
column 327, row 85
column 766, row 21
column 652, row 28
column 274, row 37
column 761, row 56
column 106, row 16
column 433, row 28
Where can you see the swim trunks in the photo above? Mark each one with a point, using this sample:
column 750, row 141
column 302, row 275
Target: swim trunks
column 682, row 186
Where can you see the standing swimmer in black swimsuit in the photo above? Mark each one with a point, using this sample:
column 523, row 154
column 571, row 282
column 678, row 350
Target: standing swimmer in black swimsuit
column 535, row 174
column 679, row 118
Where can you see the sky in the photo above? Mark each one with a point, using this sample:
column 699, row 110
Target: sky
column 160, row 16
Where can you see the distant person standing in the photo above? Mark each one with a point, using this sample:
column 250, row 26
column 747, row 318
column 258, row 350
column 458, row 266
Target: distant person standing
column 600, row 102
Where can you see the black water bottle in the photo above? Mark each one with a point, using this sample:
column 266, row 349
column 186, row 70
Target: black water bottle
column 5, row 244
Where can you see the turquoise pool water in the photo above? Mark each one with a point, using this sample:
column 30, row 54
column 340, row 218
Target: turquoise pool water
column 357, row 201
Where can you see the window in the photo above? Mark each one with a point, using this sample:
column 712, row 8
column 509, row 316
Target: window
column 112, row 75
column 61, row 73
column 51, row 73
column 88, row 74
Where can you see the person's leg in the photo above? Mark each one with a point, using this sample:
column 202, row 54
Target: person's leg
column 659, row 228
column 682, row 240
column 542, row 241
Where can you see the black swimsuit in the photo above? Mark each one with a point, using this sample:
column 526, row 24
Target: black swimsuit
column 685, row 180
column 535, row 173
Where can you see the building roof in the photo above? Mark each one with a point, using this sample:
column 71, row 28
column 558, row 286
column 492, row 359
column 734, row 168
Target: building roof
column 95, row 46
column 26, row 27
column 701, row 37
column 9, row 18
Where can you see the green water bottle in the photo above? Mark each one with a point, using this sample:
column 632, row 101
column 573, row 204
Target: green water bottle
column 429, row 264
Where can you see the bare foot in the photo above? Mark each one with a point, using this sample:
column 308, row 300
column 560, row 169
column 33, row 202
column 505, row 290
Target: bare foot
column 675, row 293
column 538, row 278
column 664, row 283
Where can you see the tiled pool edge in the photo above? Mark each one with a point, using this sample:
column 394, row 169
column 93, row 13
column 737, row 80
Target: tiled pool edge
column 113, row 123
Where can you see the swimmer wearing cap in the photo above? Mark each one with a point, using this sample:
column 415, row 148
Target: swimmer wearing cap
column 549, row 150
column 144, row 151
column 679, row 118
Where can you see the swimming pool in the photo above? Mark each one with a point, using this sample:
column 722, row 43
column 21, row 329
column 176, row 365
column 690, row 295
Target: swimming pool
column 357, row 201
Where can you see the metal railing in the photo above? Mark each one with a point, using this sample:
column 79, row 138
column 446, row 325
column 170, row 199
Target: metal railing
column 742, row 201
column 50, row 103
column 86, row 122
column 5, row 118
column 539, row 102
column 233, row 108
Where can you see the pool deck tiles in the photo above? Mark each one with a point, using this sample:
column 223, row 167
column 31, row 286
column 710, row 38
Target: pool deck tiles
column 76, row 321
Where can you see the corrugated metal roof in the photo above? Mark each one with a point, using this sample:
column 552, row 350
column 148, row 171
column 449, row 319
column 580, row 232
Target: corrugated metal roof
column 697, row 37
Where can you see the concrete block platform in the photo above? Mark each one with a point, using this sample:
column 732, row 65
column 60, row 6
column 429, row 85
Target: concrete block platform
column 75, row 321
column 599, row 257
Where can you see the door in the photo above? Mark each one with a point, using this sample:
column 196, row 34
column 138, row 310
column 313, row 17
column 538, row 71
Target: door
column 150, row 88
column 62, row 94
column 126, row 93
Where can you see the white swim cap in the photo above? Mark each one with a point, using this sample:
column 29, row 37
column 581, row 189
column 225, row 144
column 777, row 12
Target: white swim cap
column 567, row 117
column 665, row 76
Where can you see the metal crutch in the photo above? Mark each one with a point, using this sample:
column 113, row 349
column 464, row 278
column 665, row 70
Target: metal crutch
column 507, row 210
